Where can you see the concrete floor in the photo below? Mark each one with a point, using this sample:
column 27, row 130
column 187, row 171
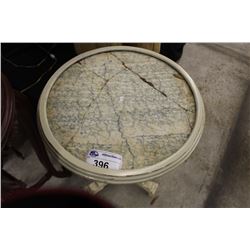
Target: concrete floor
column 218, row 172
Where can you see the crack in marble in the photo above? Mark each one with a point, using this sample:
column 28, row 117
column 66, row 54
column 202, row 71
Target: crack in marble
column 178, row 76
column 142, row 78
column 83, row 63
column 105, row 70
column 189, row 123
column 87, row 109
column 179, row 105
column 125, row 139
column 93, row 100
column 120, row 127
column 153, row 135
column 104, row 121
column 148, row 82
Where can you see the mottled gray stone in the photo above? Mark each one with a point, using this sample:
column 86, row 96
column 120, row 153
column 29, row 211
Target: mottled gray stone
column 123, row 102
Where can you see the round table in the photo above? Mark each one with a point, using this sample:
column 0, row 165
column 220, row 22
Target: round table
column 124, row 100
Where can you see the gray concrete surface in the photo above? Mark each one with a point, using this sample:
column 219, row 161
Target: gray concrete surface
column 231, row 186
column 222, row 73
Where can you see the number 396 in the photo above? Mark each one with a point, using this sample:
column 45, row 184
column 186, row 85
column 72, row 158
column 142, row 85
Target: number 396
column 101, row 164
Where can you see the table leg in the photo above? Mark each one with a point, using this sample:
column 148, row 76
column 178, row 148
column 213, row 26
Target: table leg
column 150, row 187
column 95, row 187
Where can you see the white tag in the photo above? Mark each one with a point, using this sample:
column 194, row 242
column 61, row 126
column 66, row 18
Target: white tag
column 104, row 159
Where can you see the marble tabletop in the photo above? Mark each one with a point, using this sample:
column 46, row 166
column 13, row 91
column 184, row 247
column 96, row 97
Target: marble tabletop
column 124, row 102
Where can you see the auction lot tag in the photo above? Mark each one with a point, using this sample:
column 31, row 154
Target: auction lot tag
column 104, row 159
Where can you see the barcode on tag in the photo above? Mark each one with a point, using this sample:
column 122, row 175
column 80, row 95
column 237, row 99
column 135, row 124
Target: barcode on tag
column 104, row 159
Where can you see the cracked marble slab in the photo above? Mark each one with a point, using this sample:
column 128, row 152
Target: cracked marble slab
column 123, row 102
